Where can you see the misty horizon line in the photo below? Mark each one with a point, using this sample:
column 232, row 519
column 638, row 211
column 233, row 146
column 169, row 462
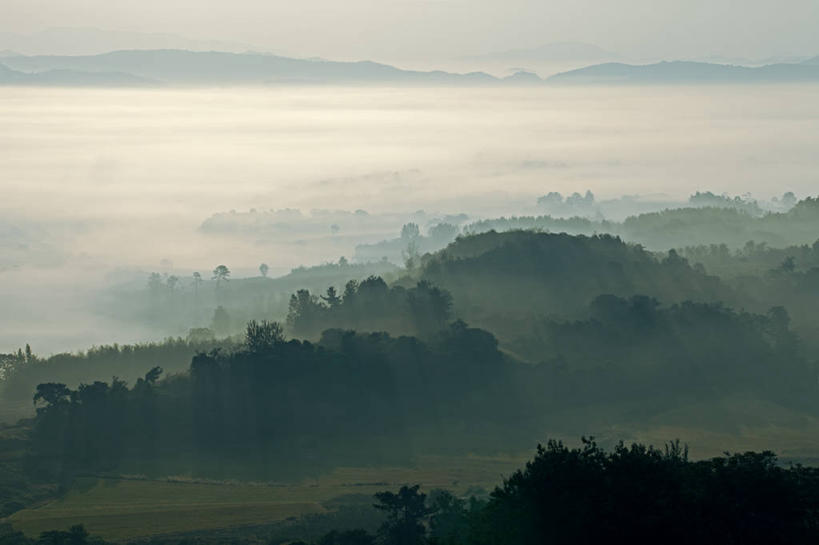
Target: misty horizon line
column 574, row 49
column 171, row 66
column 604, row 55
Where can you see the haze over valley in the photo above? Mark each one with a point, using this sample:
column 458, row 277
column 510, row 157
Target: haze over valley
column 133, row 175
column 409, row 272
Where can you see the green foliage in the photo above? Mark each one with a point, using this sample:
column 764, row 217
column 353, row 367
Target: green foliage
column 707, row 199
column 17, row 489
column 129, row 362
column 406, row 516
column 258, row 411
column 503, row 281
column 633, row 494
column 347, row 537
column 372, row 305
column 76, row 535
column 636, row 345
column 277, row 408
column 221, row 274
column 630, row 494
column 451, row 517
column 764, row 277
column 260, row 337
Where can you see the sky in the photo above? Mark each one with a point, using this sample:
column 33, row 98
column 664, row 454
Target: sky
column 430, row 29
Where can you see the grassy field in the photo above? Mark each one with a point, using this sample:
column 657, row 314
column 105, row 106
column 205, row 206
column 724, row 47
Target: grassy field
column 123, row 509
column 128, row 508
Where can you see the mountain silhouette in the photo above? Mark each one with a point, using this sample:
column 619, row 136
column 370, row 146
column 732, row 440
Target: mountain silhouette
column 173, row 66
column 687, row 72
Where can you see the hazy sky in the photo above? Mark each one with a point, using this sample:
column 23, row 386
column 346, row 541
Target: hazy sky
column 427, row 29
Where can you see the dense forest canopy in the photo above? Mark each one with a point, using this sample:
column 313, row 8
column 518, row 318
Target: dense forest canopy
column 275, row 404
column 372, row 305
column 633, row 494
column 499, row 279
column 25, row 370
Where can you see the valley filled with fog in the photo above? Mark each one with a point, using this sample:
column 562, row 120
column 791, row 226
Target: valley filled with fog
column 409, row 272
column 101, row 187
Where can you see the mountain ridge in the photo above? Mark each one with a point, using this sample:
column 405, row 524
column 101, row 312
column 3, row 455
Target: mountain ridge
column 182, row 67
column 175, row 66
column 687, row 72
column 71, row 78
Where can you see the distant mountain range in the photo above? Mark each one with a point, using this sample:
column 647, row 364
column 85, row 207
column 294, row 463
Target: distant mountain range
column 688, row 72
column 70, row 78
column 181, row 67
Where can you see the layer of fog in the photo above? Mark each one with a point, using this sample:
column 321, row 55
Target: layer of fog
column 101, row 187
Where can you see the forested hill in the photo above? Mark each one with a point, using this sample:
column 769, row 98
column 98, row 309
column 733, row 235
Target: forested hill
column 497, row 276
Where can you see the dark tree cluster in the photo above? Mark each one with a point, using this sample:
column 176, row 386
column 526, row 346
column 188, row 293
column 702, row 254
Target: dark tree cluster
column 93, row 427
column 414, row 518
column 372, row 305
column 708, row 199
column 631, row 494
column 753, row 258
column 76, row 535
column 351, row 398
column 500, row 281
column 764, row 277
column 24, row 371
column 636, row 348
column 638, row 494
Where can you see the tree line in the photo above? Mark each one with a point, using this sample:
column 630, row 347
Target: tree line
column 271, row 406
column 371, row 305
column 632, row 494
column 276, row 407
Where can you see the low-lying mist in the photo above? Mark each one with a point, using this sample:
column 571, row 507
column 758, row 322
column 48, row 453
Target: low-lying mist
column 101, row 187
